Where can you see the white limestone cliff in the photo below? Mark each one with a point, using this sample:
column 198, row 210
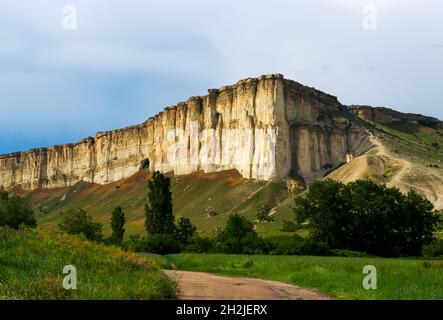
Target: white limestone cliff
column 265, row 128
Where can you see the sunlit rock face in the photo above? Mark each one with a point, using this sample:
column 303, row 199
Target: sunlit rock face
column 265, row 128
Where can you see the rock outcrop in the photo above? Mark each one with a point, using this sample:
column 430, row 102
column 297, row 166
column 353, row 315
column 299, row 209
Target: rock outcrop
column 265, row 128
column 385, row 115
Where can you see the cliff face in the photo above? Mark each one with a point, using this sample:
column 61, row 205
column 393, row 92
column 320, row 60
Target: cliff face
column 265, row 128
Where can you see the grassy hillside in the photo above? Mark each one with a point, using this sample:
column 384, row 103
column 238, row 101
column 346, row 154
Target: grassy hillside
column 226, row 192
column 408, row 155
column 31, row 265
column 338, row 277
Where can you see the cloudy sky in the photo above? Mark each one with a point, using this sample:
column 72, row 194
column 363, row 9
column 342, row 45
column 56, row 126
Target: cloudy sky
column 127, row 60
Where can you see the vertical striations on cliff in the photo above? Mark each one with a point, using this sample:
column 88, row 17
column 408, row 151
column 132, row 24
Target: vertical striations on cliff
column 266, row 128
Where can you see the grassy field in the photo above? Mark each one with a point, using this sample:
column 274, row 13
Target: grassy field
column 31, row 265
column 339, row 277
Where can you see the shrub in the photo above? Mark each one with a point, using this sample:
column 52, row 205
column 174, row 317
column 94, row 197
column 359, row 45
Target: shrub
column 283, row 245
column 132, row 243
column 348, row 253
column 15, row 211
column 185, row 230
column 159, row 243
column 311, row 247
column 296, row 245
column 434, row 249
column 288, row 226
column 77, row 221
column 239, row 237
column 263, row 215
column 200, row 244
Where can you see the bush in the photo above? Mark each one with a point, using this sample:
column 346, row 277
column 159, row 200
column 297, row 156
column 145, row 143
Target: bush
column 159, row 243
column 288, row 226
column 132, row 243
column 263, row 215
column 296, row 245
column 15, row 211
column 348, row 253
column 77, row 221
column 185, row 230
column 239, row 237
column 311, row 247
column 434, row 249
column 200, row 244
column 283, row 245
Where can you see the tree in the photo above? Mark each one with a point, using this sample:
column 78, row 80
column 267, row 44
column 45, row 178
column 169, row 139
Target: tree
column 367, row 217
column 77, row 221
column 325, row 209
column 185, row 230
column 238, row 236
column 117, row 224
column 159, row 216
column 15, row 211
column 263, row 215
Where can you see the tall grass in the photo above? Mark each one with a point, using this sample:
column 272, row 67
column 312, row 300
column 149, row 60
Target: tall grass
column 32, row 261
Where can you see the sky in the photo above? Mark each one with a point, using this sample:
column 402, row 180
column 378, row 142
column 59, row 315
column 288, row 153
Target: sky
column 65, row 74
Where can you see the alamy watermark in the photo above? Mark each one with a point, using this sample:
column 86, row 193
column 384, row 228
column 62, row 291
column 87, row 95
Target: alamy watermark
column 370, row 281
column 70, row 280
column 70, row 21
column 370, row 18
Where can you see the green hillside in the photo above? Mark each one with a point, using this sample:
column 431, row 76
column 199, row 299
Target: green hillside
column 32, row 262
column 225, row 192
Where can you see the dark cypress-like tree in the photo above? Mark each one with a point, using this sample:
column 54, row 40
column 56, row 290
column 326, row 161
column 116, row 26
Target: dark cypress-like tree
column 118, row 225
column 158, row 212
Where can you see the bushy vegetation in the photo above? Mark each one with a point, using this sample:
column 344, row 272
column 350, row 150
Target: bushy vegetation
column 264, row 214
column 77, row 221
column 238, row 236
column 15, row 211
column 434, row 249
column 288, row 226
column 32, row 262
column 367, row 217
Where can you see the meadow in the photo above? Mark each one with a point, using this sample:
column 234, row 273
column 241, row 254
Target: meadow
column 32, row 261
column 338, row 277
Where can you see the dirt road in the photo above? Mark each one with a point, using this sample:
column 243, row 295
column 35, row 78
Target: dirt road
column 206, row 286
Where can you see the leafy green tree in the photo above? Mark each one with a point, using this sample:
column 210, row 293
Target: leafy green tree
column 159, row 215
column 367, row 217
column 15, row 211
column 77, row 221
column 185, row 230
column 326, row 210
column 118, row 221
column 239, row 236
